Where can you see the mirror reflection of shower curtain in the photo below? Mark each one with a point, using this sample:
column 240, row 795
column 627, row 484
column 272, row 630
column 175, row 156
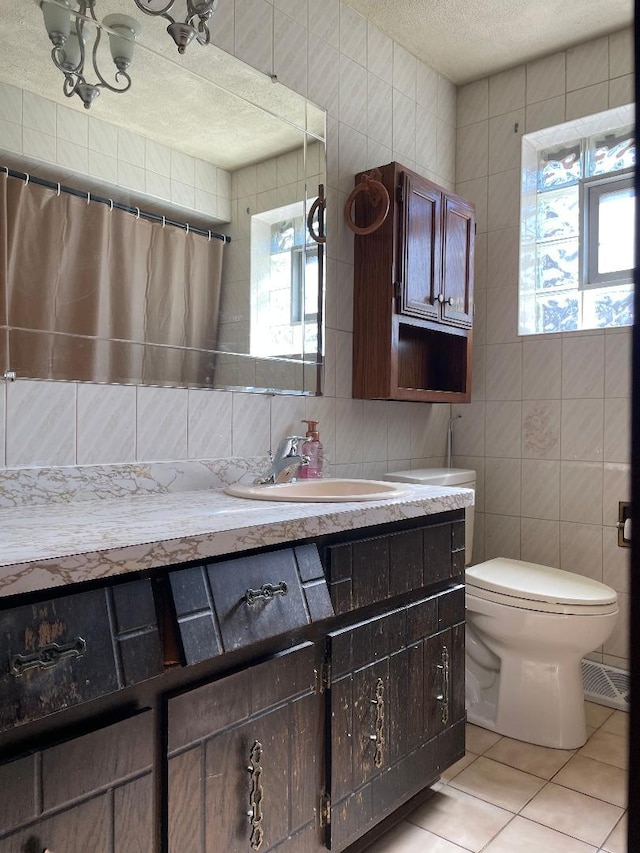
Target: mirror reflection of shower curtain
column 99, row 295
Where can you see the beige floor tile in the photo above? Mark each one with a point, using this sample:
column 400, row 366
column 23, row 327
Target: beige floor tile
column 594, row 778
column 407, row 838
column 617, row 841
column 524, row 836
column 617, row 724
column 498, row 784
column 479, row 740
column 538, row 760
column 596, row 714
column 460, row 818
column 456, row 768
column 608, row 748
column 573, row 813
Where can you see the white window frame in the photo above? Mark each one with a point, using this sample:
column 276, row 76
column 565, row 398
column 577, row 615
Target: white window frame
column 591, row 190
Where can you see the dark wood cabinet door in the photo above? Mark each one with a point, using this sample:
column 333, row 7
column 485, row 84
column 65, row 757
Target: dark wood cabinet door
column 94, row 793
column 457, row 262
column 245, row 760
column 421, row 248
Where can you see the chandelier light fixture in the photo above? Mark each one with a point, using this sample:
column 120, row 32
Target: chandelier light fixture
column 195, row 24
column 68, row 26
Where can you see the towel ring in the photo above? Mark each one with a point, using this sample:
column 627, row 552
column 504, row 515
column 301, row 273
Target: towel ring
column 379, row 196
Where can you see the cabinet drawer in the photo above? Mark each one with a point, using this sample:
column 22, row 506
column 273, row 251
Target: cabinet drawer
column 62, row 651
column 226, row 605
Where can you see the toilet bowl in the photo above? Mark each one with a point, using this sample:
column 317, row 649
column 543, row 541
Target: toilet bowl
column 528, row 628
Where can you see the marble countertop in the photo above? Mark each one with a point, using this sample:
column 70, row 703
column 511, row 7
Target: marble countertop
column 56, row 544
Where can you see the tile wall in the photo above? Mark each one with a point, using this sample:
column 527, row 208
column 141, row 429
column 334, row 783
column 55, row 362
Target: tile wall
column 548, row 427
column 382, row 105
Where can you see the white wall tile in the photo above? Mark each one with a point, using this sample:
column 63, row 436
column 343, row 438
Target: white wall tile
column 582, row 430
column 10, row 103
column 103, row 137
column 404, row 126
column 379, row 53
column 504, row 199
column 298, row 9
column 374, row 431
column 503, row 425
column 469, row 430
column 72, row 126
column 581, row 549
column 541, row 489
column 380, row 111
column 481, row 250
column 426, row 139
column 349, row 426
column 504, row 372
column 540, row 542
column 615, row 561
column 541, row 429
column 505, row 141
column 618, row 643
column 585, row 102
column 473, row 102
column 616, row 488
column 38, row 145
column 131, row 148
column 290, row 52
column 502, row 315
column 583, row 366
column 353, row 82
column 161, row 423
column 545, row 113
column 251, row 413
column 427, row 84
column 106, row 424
column 38, row 113
column 621, row 59
column 323, row 73
column 10, row 136
column 501, row 536
column 617, row 430
column 472, row 151
column 353, row 35
column 581, row 492
column 447, row 101
column 546, row 77
column 507, row 91
column 254, row 33
column 41, row 423
column 587, row 64
column 404, row 71
column 476, row 192
column 71, row 156
column 103, row 167
column 399, row 432
column 209, row 424
column 621, row 91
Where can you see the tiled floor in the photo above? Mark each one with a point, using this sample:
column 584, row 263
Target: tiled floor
column 506, row 796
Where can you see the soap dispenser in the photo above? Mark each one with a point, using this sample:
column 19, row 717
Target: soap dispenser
column 313, row 449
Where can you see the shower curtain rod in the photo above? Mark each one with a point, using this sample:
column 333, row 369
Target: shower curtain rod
column 144, row 214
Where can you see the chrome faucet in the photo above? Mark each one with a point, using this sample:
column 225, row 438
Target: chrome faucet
column 285, row 462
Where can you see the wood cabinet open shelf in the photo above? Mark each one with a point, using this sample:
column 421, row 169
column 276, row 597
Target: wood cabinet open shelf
column 413, row 292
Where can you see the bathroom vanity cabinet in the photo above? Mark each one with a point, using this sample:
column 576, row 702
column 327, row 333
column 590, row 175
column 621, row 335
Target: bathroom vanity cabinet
column 289, row 699
column 413, row 292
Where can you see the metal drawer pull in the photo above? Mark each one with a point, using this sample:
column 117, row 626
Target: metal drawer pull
column 255, row 796
column 378, row 737
column 47, row 656
column 266, row 592
column 443, row 696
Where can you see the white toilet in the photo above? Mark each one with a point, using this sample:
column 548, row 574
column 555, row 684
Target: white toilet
column 528, row 628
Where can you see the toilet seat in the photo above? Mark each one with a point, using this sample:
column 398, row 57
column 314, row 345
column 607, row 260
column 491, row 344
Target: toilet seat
column 529, row 586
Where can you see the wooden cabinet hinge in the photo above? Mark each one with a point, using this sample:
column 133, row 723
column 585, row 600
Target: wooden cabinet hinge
column 396, row 290
column 400, row 193
column 325, row 809
column 324, row 678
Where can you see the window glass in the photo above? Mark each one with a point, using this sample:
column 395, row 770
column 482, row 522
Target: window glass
column 616, row 230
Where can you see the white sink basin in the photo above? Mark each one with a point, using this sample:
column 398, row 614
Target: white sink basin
column 325, row 491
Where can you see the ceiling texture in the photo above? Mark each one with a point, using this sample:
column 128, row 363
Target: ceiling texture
column 468, row 39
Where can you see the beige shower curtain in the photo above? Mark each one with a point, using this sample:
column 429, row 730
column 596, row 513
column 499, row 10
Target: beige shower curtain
column 99, row 295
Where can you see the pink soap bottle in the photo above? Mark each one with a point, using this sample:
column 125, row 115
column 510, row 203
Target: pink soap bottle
column 312, row 448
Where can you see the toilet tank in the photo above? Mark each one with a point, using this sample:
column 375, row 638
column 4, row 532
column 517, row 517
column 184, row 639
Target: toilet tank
column 465, row 478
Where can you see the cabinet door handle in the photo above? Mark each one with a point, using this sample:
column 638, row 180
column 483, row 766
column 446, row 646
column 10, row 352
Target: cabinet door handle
column 266, row 592
column 378, row 737
column 449, row 301
column 440, row 298
column 319, row 207
column 256, row 795
column 47, row 656
column 443, row 696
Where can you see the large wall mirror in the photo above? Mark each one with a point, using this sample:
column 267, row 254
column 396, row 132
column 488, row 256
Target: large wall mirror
column 93, row 289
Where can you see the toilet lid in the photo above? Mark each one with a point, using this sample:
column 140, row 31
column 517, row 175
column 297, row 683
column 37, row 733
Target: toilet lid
column 532, row 582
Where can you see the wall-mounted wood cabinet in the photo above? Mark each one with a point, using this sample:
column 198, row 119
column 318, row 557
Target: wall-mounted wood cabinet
column 413, row 293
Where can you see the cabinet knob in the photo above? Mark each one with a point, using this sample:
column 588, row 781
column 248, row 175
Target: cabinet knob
column 441, row 298
column 450, row 300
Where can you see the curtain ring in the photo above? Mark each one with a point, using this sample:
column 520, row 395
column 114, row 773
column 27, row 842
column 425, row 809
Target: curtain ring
column 164, row 221
column 88, row 198
column 26, row 178
column 58, row 191
column 110, row 205
column 209, row 233
column 137, row 213
column 6, row 170
column 187, row 227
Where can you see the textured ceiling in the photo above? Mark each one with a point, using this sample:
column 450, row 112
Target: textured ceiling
column 468, row 39
column 201, row 103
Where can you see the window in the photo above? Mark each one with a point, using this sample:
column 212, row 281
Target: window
column 577, row 225
column 284, row 283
